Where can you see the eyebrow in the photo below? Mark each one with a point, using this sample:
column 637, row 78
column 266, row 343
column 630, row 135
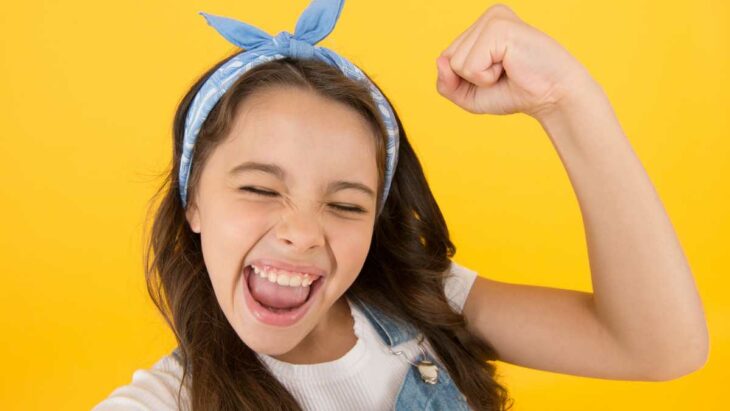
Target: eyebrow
column 281, row 174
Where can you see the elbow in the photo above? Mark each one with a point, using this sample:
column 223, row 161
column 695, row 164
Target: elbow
column 685, row 363
column 675, row 372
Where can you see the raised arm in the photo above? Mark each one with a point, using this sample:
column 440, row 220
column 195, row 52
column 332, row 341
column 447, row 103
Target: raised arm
column 644, row 319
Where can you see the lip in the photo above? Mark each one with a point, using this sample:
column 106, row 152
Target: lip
column 286, row 319
column 283, row 265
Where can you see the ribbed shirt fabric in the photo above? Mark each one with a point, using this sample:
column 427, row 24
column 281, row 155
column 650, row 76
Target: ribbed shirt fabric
column 366, row 378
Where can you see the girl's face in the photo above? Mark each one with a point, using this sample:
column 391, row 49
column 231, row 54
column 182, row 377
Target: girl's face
column 314, row 144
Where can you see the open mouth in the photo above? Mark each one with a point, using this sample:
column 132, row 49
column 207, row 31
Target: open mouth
column 278, row 316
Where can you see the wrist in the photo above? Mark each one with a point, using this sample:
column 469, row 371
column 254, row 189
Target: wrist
column 576, row 95
column 586, row 107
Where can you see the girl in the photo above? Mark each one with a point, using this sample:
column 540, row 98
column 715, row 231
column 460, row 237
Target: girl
column 302, row 262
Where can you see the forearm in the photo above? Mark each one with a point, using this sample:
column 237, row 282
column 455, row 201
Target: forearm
column 643, row 288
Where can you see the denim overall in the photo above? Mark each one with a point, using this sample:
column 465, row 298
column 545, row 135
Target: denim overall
column 414, row 393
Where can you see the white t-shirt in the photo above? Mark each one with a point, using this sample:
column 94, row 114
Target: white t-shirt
column 366, row 378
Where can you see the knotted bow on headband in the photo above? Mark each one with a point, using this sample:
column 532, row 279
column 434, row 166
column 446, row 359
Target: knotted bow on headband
column 315, row 23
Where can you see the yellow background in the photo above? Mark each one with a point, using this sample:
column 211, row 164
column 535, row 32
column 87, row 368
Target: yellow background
column 88, row 91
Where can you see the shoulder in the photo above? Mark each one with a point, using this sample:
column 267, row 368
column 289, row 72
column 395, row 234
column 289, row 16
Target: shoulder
column 457, row 284
column 155, row 388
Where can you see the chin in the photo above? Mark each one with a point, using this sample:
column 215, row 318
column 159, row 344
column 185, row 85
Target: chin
column 271, row 345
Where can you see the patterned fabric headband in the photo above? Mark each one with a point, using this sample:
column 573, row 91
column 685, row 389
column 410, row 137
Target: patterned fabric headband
column 315, row 23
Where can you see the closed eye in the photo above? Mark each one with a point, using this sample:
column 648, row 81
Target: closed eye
column 260, row 192
column 267, row 193
column 348, row 209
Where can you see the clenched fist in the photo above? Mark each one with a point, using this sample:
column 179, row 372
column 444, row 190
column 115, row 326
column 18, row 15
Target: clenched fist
column 502, row 65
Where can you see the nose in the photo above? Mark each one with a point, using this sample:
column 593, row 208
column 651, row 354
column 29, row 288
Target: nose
column 300, row 230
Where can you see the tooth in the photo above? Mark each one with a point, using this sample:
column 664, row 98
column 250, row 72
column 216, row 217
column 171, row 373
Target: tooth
column 283, row 277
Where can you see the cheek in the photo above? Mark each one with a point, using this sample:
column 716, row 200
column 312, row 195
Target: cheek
column 350, row 244
column 227, row 235
column 230, row 226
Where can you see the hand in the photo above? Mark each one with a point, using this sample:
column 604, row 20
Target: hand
column 502, row 65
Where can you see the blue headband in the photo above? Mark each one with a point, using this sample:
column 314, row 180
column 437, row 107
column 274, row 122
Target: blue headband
column 315, row 23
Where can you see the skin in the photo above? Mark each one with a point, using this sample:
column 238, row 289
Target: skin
column 315, row 140
column 644, row 319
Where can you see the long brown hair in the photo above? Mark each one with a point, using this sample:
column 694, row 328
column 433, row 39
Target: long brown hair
column 403, row 274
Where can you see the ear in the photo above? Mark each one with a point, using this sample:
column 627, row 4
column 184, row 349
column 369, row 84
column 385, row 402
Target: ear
column 192, row 214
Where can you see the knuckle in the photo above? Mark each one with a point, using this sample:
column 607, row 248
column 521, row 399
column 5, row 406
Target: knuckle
column 456, row 64
column 500, row 11
column 497, row 25
column 496, row 9
column 499, row 6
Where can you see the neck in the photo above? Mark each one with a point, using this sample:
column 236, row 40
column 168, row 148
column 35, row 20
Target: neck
column 331, row 339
